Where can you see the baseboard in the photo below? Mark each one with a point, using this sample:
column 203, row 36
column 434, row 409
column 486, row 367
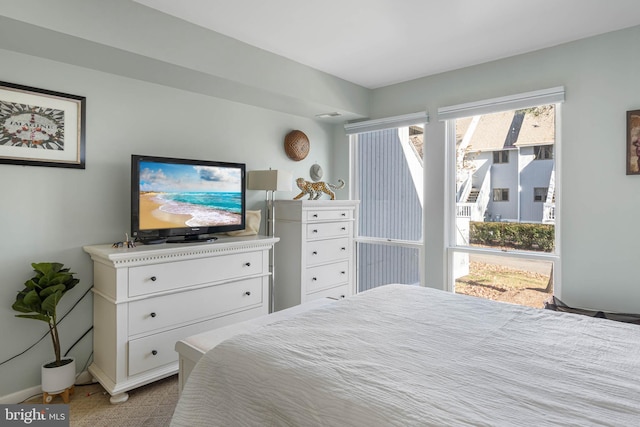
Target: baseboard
column 84, row 378
column 28, row 393
column 20, row 396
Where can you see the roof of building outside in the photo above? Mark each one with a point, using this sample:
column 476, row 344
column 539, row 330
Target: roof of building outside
column 510, row 129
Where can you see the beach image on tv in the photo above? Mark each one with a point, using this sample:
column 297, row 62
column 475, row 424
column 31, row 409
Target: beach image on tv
column 181, row 195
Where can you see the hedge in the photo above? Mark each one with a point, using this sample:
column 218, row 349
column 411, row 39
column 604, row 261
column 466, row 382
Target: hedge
column 535, row 237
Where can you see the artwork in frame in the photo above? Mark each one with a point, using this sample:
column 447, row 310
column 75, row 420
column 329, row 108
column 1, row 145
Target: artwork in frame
column 633, row 142
column 40, row 127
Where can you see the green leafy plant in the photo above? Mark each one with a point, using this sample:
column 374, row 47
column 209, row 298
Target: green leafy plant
column 41, row 294
column 538, row 237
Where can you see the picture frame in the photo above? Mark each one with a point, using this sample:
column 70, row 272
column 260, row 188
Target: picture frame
column 633, row 142
column 40, row 127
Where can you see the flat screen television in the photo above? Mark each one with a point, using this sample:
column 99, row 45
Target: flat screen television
column 184, row 200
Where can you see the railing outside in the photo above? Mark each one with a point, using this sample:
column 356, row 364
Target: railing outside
column 549, row 213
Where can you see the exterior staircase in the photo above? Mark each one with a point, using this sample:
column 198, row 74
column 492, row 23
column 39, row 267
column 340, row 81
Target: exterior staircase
column 473, row 195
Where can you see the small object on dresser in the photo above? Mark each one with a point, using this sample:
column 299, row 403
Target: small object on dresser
column 316, row 189
column 128, row 243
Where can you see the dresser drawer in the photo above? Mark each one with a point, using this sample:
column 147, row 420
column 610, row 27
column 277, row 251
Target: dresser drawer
column 328, row 229
column 153, row 351
column 323, row 251
column 183, row 307
column 328, row 215
column 326, row 276
column 154, row 278
column 338, row 292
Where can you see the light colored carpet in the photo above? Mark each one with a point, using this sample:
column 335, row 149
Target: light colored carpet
column 149, row 406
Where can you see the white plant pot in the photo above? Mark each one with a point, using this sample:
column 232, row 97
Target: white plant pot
column 58, row 378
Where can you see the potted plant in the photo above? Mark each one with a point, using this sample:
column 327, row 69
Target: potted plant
column 38, row 300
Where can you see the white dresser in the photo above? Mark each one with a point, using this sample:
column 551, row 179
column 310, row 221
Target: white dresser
column 315, row 257
column 149, row 297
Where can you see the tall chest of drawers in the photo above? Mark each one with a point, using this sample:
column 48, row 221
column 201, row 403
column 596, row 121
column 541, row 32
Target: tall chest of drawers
column 147, row 298
column 315, row 257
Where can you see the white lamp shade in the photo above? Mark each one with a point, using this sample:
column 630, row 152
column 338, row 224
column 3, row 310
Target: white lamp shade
column 271, row 180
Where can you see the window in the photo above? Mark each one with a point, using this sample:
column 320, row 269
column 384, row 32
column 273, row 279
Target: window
column 540, row 194
column 501, row 156
column 543, row 152
column 500, row 237
column 500, row 194
column 387, row 179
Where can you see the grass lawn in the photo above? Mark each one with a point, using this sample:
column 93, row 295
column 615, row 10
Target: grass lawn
column 500, row 283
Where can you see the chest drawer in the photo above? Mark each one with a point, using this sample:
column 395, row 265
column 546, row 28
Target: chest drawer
column 326, row 276
column 323, row 251
column 161, row 312
column 328, row 229
column 337, row 292
column 154, row 278
column 328, row 215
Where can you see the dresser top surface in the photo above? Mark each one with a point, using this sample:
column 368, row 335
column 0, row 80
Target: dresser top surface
column 319, row 203
column 195, row 249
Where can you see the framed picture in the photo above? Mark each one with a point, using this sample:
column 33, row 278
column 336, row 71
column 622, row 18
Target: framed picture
column 41, row 128
column 633, row 142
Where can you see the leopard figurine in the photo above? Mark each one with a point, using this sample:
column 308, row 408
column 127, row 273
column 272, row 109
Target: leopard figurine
column 316, row 189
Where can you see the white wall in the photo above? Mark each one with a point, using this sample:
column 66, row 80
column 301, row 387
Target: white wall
column 599, row 204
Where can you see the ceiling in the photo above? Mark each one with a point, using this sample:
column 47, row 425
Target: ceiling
column 375, row 43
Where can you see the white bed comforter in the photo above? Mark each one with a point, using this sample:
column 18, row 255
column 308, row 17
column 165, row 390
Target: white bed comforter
column 410, row 356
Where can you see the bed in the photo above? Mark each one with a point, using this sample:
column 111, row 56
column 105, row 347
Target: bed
column 402, row 355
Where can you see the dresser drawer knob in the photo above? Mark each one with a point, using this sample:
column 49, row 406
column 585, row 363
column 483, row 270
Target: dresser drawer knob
column 154, row 352
column 315, row 231
column 154, row 278
column 247, row 264
column 314, row 253
column 153, row 314
column 344, row 214
column 315, row 215
column 342, row 296
column 315, row 279
column 343, row 249
column 343, row 272
column 344, row 228
column 247, row 293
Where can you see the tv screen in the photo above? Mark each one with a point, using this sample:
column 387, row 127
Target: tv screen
column 185, row 198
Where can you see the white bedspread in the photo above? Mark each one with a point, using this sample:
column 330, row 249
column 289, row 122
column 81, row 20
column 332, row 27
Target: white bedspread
column 410, row 356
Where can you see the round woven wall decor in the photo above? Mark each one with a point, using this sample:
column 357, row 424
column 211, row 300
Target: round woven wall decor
column 296, row 145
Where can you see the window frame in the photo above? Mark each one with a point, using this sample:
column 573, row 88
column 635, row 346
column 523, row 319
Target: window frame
column 502, row 192
column 352, row 130
column 502, row 156
column 543, row 152
column 543, row 198
column 449, row 115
